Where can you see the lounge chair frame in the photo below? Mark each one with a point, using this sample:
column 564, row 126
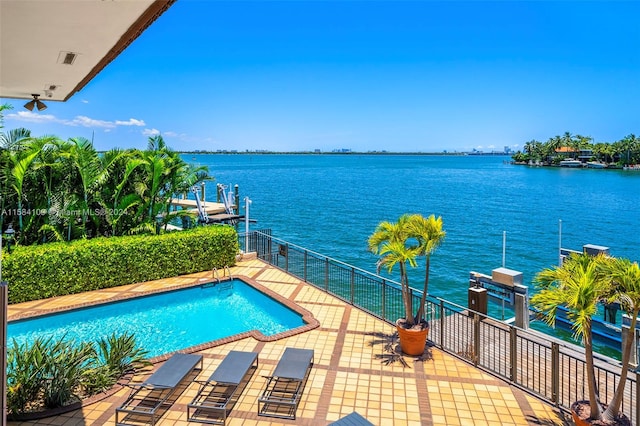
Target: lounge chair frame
column 218, row 393
column 147, row 397
column 284, row 388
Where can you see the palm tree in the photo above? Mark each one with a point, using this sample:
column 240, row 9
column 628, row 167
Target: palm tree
column 551, row 147
column 578, row 285
column 390, row 241
column 10, row 143
column 625, row 279
column 21, row 162
column 92, row 169
column 123, row 202
column 429, row 233
column 48, row 160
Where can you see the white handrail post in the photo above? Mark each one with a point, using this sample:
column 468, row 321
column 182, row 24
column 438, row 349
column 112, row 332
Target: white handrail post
column 504, row 248
column 559, row 242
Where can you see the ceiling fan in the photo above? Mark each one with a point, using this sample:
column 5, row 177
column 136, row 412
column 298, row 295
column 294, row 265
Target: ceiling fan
column 35, row 103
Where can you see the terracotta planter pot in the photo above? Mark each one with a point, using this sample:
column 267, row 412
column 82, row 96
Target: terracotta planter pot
column 579, row 421
column 580, row 415
column 412, row 342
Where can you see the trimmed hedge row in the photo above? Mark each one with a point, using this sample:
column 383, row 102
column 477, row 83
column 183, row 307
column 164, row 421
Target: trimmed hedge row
column 56, row 269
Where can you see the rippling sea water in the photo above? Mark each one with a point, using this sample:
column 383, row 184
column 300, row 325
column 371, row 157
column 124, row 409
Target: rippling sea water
column 330, row 204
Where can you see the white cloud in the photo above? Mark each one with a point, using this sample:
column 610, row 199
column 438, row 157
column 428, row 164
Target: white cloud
column 151, row 132
column 84, row 121
column 171, row 134
column 32, row 117
column 84, row 101
column 491, row 146
column 130, row 122
column 79, row 120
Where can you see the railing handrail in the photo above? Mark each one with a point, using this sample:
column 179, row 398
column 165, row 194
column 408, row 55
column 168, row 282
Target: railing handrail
column 437, row 299
column 346, row 265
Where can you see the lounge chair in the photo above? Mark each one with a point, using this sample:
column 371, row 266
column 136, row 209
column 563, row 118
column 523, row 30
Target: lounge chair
column 353, row 419
column 147, row 397
column 218, row 393
column 284, row 388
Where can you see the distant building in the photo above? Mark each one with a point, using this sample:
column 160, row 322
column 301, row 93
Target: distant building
column 580, row 154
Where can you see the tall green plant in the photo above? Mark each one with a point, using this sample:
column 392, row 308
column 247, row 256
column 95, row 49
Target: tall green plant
column 624, row 277
column 49, row 372
column 121, row 355
column 92, row 169
column 429, row 234
column 63, row 372
column 391, row 241
column 578, row 285
column 25, row 364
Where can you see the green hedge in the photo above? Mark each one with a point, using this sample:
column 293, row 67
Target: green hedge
column 55, row 269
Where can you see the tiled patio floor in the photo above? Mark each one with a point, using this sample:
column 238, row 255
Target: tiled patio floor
column 346, row 376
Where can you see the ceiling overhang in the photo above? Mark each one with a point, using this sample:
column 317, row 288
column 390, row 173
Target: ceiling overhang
column 53, row 48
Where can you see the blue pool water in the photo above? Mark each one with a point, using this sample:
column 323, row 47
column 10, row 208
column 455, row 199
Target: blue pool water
column 168, row 321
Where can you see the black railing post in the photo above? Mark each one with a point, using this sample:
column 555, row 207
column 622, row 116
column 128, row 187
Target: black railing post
column 353, row 285
column 304, row 268
column 513, row 340
column 476, row 339
column 442, row 324
column 286, row 258
column 326, row 274
column 555, row 373
column 384, row 298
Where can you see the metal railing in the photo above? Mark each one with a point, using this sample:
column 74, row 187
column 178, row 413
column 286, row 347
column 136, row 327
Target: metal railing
column 553, row 370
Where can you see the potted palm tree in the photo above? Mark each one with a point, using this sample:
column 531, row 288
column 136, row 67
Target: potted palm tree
column 579, row 284
column 624, row 277
column 401, row 243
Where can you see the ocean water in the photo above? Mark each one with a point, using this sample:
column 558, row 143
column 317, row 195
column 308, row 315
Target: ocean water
column 330, row 204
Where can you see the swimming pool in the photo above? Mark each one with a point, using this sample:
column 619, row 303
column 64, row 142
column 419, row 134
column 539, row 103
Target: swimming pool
column 168, row 321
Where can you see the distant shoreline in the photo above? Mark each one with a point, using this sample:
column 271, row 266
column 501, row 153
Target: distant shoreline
column 457, row 154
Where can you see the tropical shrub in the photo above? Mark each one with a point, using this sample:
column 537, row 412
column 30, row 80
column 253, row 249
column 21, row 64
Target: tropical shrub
column 55, row 269
column 63, row 371
column 120, row 355
column 52, row 373
column 25, row 364
column 52, row 189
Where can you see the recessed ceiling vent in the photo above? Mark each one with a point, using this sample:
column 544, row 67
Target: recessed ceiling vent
column 67, row 58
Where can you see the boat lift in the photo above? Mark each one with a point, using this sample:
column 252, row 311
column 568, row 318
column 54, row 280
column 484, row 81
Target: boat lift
column 203, row 217
column 229, row 215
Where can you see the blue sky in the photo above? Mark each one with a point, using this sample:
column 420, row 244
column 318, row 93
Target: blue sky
column 363, row 75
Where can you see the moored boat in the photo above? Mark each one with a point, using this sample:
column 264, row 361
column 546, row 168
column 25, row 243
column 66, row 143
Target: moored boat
column 596, row 165
column 570, row 163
